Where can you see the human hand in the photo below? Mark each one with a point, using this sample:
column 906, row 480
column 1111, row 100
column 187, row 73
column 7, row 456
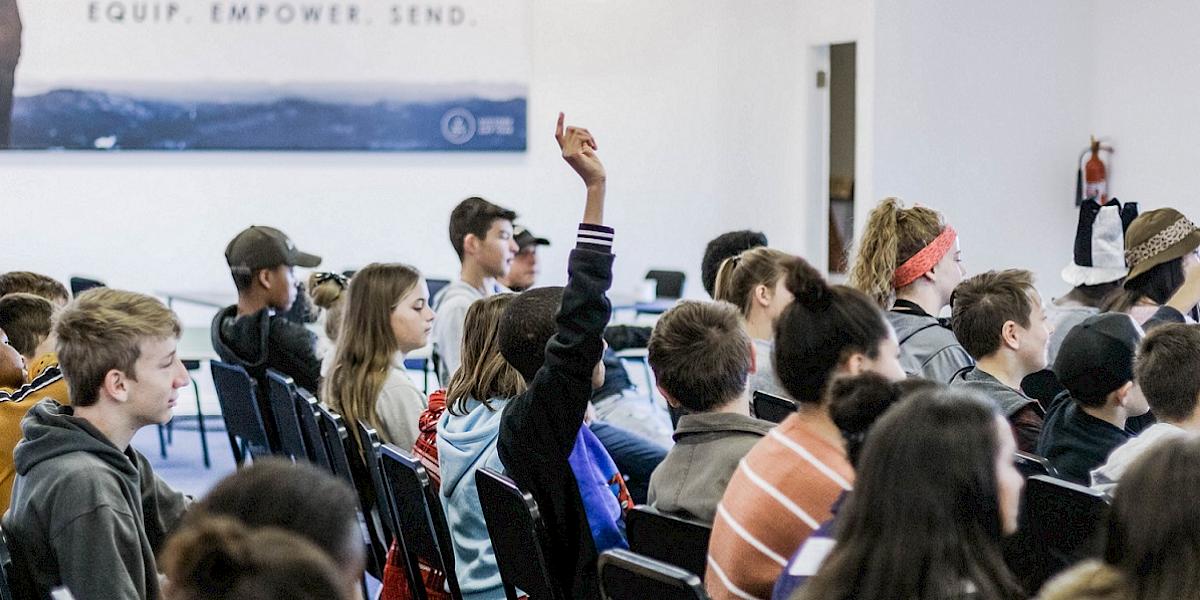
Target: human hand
column 579, row 150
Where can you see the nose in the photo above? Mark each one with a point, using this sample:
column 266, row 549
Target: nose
column 182, row 378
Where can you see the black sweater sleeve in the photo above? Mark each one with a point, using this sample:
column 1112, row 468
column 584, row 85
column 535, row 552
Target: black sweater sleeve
column 545, row 420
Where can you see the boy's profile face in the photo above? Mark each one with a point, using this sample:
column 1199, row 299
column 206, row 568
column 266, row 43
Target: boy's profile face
column 496, row 250
column 151, row 389
column 12, row 364
column 1034, row 340
column 282, row 289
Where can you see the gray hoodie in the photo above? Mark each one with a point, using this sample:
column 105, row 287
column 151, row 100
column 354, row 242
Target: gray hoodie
column 927, row 348
column 84, row 514
column 451, row 304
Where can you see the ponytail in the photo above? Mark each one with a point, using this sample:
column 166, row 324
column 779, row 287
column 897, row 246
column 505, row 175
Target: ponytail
column 738, row 276
column 892, row 236
column 328, row 291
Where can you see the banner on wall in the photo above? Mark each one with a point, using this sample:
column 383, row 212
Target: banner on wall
column 264, row 74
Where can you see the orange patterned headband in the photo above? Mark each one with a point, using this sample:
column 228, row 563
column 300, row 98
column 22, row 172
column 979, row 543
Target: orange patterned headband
column 923, row 261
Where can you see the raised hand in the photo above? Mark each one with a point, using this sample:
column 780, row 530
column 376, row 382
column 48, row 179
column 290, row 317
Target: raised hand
column 579, row 150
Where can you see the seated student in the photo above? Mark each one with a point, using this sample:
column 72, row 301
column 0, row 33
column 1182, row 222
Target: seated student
column 855, row 404
column 466, row 440
column 387, row 316
column 936, row 492
column 1095, row 363
column 251, row 333
column 1165, row 370
column 701, row 358
column 87, row 510
column 909, row 263
column 784, row 488
column 219, row 558
column 543, row 444
column 14, row 282
column 753, row 282
column 523, row 271
column 298, row 498
column 726, row 245
column 1160, row 247
column 1153, row 533
column 328, row 293
column 25, row 321
column 999, row 319
column 482, row 236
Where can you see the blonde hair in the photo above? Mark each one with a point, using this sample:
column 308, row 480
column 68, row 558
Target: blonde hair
column 103, row 330
column 892, row 236
column 739, row 275
column 364, row 353
column 328, row 291
column 484, row 373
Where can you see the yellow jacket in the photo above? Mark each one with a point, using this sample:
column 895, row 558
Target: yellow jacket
column 45, row 381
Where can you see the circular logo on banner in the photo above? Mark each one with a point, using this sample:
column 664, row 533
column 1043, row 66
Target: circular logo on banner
column 458, row 126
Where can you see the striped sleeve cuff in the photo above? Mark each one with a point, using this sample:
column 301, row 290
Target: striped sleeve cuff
column 594, row 237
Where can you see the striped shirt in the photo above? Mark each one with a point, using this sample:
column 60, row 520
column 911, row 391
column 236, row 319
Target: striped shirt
column 781, row 492
column 46, row 382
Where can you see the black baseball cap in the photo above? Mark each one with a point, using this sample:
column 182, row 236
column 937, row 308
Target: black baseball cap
column 1096, row 356
column 261, row 247
column 525, row 238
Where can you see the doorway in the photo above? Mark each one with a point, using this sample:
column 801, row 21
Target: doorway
column 842, row 97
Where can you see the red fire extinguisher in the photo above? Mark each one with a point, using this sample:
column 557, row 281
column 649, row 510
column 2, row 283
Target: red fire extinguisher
column 1091, row 180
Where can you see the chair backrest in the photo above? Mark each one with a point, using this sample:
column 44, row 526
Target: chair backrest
column 7, row 570
column 518, row 536
column 435, row 286
column 671, row 539
column 626, row 575
column 418, row 512
column 669, row 284
column 1032, row 464
column 1062, row 516
column 282, row 393
column 370, row 445
column 310, row 428
column 80, row 285
column 237, row 394
column 343, row 453
column 770, row 407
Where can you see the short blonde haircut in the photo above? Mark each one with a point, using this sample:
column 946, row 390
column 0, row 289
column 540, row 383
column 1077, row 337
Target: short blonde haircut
column 102, row 330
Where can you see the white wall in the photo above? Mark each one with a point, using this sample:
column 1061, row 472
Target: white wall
column 1144, row 92
column 980, row 109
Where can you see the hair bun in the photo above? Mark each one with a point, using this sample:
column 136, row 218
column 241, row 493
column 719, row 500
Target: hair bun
column 808, row 286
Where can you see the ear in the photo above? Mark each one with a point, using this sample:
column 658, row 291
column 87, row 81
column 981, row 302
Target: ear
column 853, row 364
column 1010, row 336
column 263, row 276
column 1121, row 394
column 115, row 385
column 753, row 359
column 762, row 295
column 671, row 401
column 470, row 244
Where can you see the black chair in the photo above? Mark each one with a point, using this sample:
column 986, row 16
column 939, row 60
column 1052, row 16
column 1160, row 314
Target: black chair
column 369, row 442
column 435, row 286
column 418, row 514
column 281, row 391
column 7, row 569
column 518, row 537
column 1060, row 525
column 626, row 575
column 80, row 285
column 306, row 417
column 674, row 540
column 770, row 407
column 668, row 284
column 347, row 464
column 237, row 394
column 1032, row 464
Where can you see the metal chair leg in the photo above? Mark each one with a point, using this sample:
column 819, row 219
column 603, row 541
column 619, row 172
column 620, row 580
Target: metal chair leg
column 200, row 423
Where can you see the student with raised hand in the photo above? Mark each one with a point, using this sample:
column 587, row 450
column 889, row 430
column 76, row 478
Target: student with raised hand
column 387, row 316
column 87, row 510
column 218, row 558
column 999, row 318
column 855, row 403
column 753, row 281
column 1153, row 534
column 253, row 333
column 936, row 492
column 1165, row 370
column 726, row 245
column 1095, row 364
column 482, row 236
column 784, row 488
column 909, row 263
column 701, row 358
column 554, row 338
column 297, row 498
